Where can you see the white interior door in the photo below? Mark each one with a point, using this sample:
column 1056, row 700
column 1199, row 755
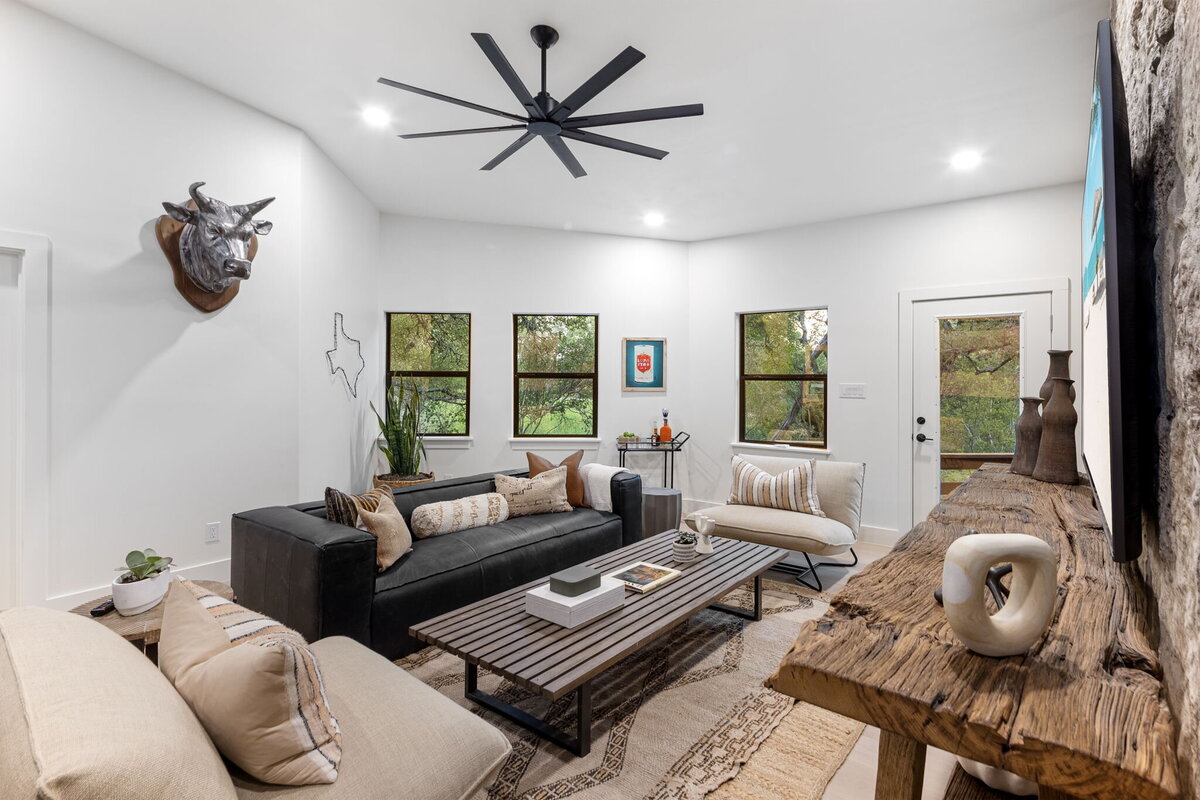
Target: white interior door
column 972, row 359
column 11, row 392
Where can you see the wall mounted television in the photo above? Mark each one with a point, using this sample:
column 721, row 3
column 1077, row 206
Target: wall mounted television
column 1114, row 413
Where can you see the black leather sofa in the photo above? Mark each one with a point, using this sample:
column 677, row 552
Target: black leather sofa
column 319, row 577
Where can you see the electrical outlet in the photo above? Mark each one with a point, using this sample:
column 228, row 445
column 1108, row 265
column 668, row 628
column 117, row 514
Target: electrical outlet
column 212, row 532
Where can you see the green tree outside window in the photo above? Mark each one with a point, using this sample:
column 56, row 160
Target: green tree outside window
column 554, row 383
column 784, row 366
column 432, row 352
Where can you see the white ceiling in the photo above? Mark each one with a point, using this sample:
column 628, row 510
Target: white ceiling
column 814, row 109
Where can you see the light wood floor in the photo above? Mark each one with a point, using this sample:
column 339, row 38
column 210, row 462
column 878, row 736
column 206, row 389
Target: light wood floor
column 856, row 779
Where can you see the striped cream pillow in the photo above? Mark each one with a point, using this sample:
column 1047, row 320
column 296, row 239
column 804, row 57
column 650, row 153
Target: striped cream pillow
column 451, row 516
column 794, row 490
column 254, row 685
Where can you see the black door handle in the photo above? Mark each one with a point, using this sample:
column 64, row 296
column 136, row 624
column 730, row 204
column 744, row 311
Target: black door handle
column 920, row 420
column 920, row 437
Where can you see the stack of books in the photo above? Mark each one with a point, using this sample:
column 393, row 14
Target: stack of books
column 572, row 611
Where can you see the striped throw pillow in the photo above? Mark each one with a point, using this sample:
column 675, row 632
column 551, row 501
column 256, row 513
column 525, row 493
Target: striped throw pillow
column 254, row 684
column 794, row 490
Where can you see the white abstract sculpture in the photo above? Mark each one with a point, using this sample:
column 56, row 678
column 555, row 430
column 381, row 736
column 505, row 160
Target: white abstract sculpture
column 1025, row 616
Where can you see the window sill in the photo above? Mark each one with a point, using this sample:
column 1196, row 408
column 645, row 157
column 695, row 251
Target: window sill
column 448, row 442
column 536, row 443
column 783, row 449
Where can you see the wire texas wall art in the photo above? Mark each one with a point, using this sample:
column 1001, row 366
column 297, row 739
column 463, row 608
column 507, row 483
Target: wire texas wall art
column 346, row 355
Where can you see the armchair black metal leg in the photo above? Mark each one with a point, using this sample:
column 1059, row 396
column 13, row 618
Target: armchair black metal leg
column 811, row 570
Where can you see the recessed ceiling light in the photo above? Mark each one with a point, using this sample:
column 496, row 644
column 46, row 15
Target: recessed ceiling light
column 376, row 117
column 966, row 160
column 653, row 219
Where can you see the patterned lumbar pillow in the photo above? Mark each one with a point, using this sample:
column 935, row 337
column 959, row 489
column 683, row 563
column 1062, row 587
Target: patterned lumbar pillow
column 374, row 512
column 254, row 685
column 794, row 490
column 575, row 494
column 434, row 519
column 542, row 494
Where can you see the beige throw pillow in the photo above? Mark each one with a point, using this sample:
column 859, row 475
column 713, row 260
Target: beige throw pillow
column 254, row 685
column 451, row 516
column 385, row 522
column 543, row 494
column 794, row 490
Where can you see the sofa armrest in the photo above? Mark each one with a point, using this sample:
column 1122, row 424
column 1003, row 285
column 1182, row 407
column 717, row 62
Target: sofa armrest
column 627, row 504
column 311, row 574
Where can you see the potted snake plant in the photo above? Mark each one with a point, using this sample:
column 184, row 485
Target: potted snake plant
column 143, row 582
column 401, row 443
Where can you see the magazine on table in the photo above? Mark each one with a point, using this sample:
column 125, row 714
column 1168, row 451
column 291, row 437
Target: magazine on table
column 643, row 576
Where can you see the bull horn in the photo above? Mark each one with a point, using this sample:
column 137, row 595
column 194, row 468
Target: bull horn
column 250, row 209
column 202, row 202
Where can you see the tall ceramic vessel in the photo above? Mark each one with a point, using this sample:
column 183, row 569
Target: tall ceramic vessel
column 1029, row 436
column 1056, row 461
column 1060, row 367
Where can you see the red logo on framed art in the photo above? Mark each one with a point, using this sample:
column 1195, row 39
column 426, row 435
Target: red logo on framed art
column 644, row 363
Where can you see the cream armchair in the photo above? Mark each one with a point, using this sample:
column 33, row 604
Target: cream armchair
column 839, row 491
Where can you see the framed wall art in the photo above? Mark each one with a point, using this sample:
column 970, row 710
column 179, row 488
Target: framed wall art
column 645, row 367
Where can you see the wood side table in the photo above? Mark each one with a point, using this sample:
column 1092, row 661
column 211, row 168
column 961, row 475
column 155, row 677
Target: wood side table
column 144, row 629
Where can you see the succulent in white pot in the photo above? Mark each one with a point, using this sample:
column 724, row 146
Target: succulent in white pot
column 143, row 582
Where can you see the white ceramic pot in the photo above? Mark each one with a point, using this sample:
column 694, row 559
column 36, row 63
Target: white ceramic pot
column 704, row 528
column 998, row 779
column 1030, row 606
column 134, row 598
column 683, row 553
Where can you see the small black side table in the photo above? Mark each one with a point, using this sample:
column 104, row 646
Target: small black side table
column 668, row 449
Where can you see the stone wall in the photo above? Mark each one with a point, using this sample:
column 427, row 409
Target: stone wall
column 1158, row 42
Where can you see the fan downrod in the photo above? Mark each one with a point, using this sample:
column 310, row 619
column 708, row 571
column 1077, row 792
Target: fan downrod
column 543, row 36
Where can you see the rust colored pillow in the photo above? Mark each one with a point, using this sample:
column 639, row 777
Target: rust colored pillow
column 538, row 465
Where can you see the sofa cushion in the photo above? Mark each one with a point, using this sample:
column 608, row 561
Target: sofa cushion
column 392, row 536
column 101, row 720
column 451, row 516
column 401, row 738
column 792, row 530
column 545, row 494
column 254, row 684
column 792, row 490
column 575, row 487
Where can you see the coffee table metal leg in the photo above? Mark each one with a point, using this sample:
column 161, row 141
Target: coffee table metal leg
column 580, row 744
column 755, row 614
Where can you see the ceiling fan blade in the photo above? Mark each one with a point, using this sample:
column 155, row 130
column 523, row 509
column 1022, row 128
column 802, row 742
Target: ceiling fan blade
column 565, row 156
column 645, row 115
column 616, row 144
column 508, row 151
column 464, row 130
column 447, row 99
column 597, row 83
column 492, row 50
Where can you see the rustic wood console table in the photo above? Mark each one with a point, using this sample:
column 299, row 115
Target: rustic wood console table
column 1083, row 713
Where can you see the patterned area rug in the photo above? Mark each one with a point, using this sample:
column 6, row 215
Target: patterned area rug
column 676, row 720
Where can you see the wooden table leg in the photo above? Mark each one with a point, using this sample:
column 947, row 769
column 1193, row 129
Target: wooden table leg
column 901, row 770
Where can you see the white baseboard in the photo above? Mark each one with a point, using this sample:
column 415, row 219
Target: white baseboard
column 212, row 571
column 871, row 534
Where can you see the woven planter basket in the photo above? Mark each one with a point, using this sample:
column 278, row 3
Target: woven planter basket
column 383, row 482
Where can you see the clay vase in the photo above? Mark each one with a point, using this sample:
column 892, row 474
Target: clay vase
column 1029, row 436
column 1056, row 459
column 1060, row 367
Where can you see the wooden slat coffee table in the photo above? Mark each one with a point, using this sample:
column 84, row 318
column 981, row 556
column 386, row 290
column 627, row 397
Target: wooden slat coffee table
column 553, row 661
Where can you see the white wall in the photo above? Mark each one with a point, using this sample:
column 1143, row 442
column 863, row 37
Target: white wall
column 637, row 286
column 164, row 418
column 857, row 267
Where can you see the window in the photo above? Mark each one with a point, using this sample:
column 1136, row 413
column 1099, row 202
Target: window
column 554, row 383
column 434, row 352
column 785, row 358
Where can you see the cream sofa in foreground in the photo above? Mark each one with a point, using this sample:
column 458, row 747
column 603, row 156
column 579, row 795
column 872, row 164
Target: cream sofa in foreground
column 86, row 715
column 839, row 492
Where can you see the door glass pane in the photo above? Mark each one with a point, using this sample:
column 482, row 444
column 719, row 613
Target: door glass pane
column 785, row 411
column 555, row 407
column 980, row 383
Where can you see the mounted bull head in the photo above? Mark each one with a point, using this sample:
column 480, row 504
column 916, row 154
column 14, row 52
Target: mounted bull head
column 214, row 245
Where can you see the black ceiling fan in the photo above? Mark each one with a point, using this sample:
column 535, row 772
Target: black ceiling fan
column 550, row 119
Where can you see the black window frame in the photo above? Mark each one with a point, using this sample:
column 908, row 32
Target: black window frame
column 803, row 377
column 593, row 376
column 392, row 374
